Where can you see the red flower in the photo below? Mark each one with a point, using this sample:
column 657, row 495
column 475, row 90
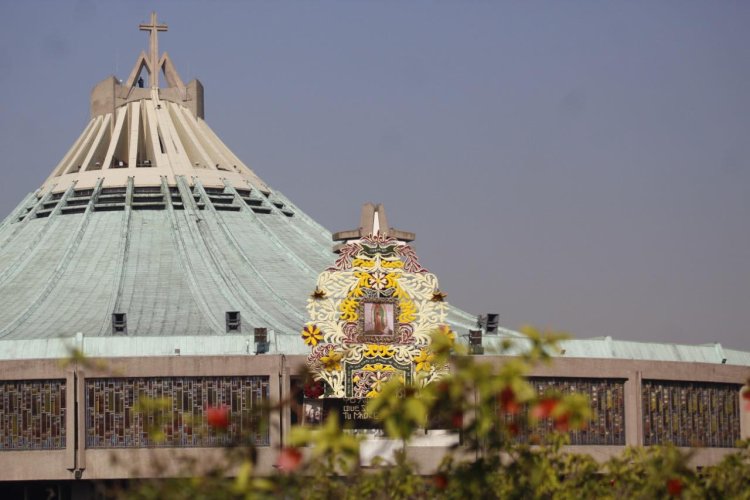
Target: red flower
column 544, row 408
column 513, row 429
column 218, row 416
column 508, row 401
column 562, row 422
column 441, row 481
column 314, row 389
column 289, row 459
column 674, row 487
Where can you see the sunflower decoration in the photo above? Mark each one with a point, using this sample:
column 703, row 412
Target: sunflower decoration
column 446, row 332
column 423, row 361
column 311, row 334
column 332, row 360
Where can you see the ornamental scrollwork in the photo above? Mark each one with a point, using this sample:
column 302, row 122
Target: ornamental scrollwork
column 371, row 317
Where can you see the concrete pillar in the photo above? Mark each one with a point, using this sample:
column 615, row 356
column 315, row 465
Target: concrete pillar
column 70, row 418
column 633, row 409
column 744, row 416
column 276, row 379
column 81, row 419
column 285, row 394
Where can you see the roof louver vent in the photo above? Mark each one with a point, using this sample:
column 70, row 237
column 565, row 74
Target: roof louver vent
column 492, row 322
column 475, row 342
column 119, row 323
column 234, row 321
column 261, row 340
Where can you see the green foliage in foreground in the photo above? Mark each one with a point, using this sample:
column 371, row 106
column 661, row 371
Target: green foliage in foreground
column 323, row 462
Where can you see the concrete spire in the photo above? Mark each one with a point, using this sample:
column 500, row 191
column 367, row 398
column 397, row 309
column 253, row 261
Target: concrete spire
column 372, row 221
column 154, row 28
column 145, row 135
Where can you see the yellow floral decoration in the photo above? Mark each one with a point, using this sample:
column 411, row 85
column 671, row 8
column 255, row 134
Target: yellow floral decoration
column 408, row 311
column 348, row 310
column 423, row 360
column 391, row 264
column 363, row 263
column 378, row 351
column 332, row 361
column 311, row 334
column 378, row 367
column 449, row 334
column 358, row 363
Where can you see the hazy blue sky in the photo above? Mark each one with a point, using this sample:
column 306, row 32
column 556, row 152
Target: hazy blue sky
column 575, row 165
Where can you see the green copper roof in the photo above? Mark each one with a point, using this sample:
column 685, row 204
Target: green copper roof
column 172, row 271
column 174, row 259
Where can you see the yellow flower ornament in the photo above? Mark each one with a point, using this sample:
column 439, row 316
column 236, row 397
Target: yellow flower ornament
column 449, row 334
column 311, row 334
column 332, row 361
column 423, row 360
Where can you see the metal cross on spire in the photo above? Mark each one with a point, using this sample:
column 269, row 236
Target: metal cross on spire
column 154, row 28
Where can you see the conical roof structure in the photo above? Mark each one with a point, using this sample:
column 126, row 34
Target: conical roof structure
column 151, row 227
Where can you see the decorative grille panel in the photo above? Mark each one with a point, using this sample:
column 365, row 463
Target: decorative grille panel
column 691, row 413
column 32, row 415
column 170, row 411
column 607, row 400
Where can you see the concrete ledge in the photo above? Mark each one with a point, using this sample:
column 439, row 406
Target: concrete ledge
column 168, row 462
column 34, row 465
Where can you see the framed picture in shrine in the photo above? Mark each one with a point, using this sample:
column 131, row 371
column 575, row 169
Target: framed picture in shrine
column 313, row 413
column 378, row 320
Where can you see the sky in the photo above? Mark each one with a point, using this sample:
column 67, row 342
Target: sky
column 578, row 166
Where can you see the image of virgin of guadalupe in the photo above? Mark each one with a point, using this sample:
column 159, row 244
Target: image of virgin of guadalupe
column 378, row 318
